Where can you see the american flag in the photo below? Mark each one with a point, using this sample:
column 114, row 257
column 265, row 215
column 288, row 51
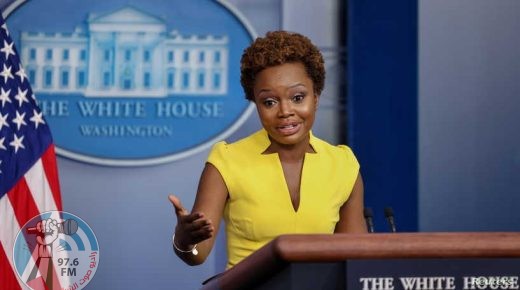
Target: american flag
column 28, row 173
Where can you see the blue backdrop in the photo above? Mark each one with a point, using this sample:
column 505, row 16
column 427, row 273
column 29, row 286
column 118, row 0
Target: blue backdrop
column 382, row 105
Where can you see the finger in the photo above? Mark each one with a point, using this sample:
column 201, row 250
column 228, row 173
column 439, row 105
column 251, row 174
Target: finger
column 39, row 226
column 192, row 217
column 203, row 234
column 197, row 232
column 176, row 202
column 197, row 225
column 195, row 237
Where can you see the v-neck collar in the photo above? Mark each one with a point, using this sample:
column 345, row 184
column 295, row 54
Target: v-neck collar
column 262, row 142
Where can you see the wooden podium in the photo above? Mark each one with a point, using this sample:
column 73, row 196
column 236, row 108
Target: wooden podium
column 320, row 261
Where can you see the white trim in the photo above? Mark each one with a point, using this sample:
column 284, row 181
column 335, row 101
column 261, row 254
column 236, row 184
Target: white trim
column 240, row 17
column 9, row 9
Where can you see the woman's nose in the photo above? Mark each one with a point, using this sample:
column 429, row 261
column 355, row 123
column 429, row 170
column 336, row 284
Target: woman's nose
column 285, row 109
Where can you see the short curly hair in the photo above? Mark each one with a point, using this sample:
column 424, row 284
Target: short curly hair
column 276, row 48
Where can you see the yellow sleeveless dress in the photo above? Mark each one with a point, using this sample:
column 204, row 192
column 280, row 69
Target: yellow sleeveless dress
column 259, row 207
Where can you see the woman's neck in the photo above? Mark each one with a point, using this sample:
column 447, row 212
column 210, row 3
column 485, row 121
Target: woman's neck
column 290, row 152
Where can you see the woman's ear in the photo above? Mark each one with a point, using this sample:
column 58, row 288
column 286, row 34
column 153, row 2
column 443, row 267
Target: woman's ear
column 316, row 101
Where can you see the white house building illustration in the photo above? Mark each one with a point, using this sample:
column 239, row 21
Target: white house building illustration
column 126, row 53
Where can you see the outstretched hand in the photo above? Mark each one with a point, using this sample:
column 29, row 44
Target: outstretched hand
column 192, row 228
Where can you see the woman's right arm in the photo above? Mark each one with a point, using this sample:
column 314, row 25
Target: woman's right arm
column 201, row 225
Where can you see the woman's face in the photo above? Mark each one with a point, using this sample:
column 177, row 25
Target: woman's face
column 286, row 103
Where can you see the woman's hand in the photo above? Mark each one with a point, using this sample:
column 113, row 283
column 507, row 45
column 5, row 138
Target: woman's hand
column 192, row 228
column 201, row 225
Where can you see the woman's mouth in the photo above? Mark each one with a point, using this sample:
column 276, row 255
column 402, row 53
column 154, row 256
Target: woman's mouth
column 288, row 129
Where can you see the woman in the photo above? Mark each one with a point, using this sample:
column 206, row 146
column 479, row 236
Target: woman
column 281, row 179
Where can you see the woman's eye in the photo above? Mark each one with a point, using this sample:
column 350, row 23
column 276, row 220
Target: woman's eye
column 269, row 103
column 298, row 98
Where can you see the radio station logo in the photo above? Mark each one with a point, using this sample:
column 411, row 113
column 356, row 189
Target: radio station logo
column 56, row 250
column 129, row 83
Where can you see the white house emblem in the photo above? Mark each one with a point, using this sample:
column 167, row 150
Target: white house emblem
column 130, row 85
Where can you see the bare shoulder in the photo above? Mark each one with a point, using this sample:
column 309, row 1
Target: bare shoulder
column 351, row 218
column 212, row 191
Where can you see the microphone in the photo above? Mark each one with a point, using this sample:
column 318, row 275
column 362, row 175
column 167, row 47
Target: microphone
column 68, row 227
column 389, row 214
column 367, row 212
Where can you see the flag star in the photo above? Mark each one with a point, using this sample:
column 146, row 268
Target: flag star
column 4, row 96
column 21, row 97
column 19, row 120
column 6, row 73
column 7, row 49
column 2, row 146
column 37, row 118
column 17, row 143
column 21, row 73
column 3, row 120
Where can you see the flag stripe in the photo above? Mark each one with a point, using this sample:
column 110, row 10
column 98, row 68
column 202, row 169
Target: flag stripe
column 51, row 171
column 8, row 278
column 22, row 203
column 9, row 226
column 24, row 208
column 31, row 196
column 39, row 187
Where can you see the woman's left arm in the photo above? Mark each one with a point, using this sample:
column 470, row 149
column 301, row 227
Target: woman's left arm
column 351, row 219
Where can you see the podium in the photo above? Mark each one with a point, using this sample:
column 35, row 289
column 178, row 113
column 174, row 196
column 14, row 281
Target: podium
column 379, row 261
